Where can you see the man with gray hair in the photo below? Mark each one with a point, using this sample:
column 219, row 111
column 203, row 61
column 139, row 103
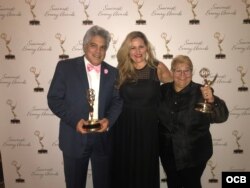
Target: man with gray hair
column 69, row 99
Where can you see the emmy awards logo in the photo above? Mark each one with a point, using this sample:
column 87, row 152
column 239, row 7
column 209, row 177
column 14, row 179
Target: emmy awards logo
column 93, row 124
column 242, row 75
column 38, row 88
column 13, row 107
column 40, row 138
column 168, row 55
column 32, row 6
column 86, row 6
column 114, row 42
column 19, row 179
column 220, row 39
column 139, row 6
column 164, row 179
column 194, row 21
column 7, row 42
column 59, row 37
column 212, row 167
column 205, row 107
column 235, row 133
column 247, row 20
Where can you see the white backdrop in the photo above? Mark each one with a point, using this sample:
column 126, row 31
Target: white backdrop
column 35, row 34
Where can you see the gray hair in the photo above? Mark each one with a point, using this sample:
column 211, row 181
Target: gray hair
column 97, row 31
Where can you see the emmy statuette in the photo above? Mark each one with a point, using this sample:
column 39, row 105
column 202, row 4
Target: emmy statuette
column 40, row 138
column 247, row 4
column 93, row 124
column 219, row 39
column 139, row 6
column 38, row 88
column 18, row 167
column 7, row 42
column 235, row 133
column 167, row 55
column 193, row 21
column 14, row 120
column 86, row 6
column 63, row 55
column 205, row 107
column 242, row 75
column 32, row 5
column 212, row 168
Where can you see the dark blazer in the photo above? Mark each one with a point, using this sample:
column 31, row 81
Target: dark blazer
column 67, row 100
column 184, row 131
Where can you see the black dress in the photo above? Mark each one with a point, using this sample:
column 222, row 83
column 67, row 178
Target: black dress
column 136, row 158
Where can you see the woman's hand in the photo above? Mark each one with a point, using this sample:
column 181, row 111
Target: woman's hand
column 207, row 93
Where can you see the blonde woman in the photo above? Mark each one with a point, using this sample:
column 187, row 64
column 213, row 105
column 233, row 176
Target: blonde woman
column 136, row 162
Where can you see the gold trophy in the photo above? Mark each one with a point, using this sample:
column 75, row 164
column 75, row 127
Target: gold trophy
column 93, row 124
column 205, row 107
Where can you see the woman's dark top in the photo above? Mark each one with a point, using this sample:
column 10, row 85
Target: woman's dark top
column 136, row 157
column 184, row 132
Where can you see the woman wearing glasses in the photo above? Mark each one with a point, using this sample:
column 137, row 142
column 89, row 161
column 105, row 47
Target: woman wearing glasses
column 185, row 140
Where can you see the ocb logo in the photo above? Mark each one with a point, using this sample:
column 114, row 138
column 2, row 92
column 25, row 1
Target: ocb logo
column 235, row 179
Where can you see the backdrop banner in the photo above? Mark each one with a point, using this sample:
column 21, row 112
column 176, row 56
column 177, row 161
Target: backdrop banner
column 36, row 34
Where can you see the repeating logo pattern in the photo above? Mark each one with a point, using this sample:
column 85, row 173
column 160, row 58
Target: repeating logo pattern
column 36, row 75
column 212, row 167
column 37, row 34
column 12, row 106
column 139, row 5
column 32, row 6
column 18, row 169
column 235, row 133
column 247, row 4
column 113, row 43
column 220, row 40
column 193, row 4
column 40, row 138
column 86, row 4
column 58, row 36
column 240, row 69
column 166, row 40
column 7, row 43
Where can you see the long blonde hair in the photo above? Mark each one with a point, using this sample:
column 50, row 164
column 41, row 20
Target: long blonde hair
column 125, row 63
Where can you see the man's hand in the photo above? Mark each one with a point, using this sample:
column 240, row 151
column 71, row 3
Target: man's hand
column 79, row 126
column 104, row 125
